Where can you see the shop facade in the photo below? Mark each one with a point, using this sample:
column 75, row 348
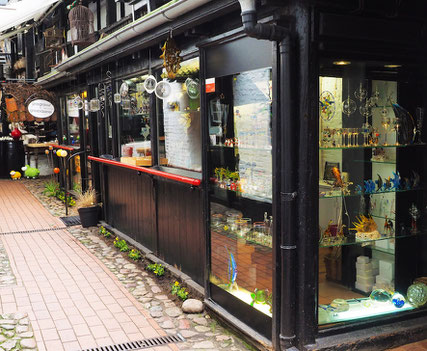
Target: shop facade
column 281, row 166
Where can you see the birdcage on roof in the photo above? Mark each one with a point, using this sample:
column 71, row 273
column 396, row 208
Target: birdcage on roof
column 53, row 38
column 81, row 25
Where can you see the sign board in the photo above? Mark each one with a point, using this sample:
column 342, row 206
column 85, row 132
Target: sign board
column 40, row 108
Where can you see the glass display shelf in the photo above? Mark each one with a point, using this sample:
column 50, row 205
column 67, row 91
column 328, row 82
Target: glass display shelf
column 368, row 147
column 343, row 241
column 382, row 249
column 221, row 192
column 382, row 217
column 359, row 308
column 263, row 241
column 386, row 162
column 220, row 147
column 338, row 193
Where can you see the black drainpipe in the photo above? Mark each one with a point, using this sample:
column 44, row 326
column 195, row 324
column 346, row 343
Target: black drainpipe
column 284, row 291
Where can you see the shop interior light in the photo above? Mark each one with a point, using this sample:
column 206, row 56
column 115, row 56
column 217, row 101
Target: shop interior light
column 247, row 5
column 342, row 63
column 392, row 66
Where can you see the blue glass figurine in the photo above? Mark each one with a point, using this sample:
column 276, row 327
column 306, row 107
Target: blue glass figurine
column 359, row 189
column 379, row 183
column 232, row 271
column 369, row 186
column 396, row 181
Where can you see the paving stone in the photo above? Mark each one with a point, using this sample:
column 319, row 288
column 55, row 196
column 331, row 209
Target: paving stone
column 202, row 329
column 9, row 344
column 188, row 333
column 26, row 335
column 173, row 311
column 28, row 343
column 184, row 324
column 168, row 325
column 201, row 321
column 204, row 345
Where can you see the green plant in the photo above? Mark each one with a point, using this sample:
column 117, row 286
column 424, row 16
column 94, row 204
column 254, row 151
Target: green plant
column 61, row 196
column 121, row 244
column 104, row 232
column 180, row 291
column 156, row 268
column 134, row 255
column 86, row 199
column 51, row 188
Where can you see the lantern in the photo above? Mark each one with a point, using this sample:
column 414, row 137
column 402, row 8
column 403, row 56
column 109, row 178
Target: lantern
column 81, row 25
column 56, row 170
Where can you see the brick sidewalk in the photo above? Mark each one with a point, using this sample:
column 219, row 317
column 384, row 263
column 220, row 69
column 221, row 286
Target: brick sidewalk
column 72, row 300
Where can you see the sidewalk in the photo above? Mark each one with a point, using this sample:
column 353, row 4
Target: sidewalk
column 72, row 300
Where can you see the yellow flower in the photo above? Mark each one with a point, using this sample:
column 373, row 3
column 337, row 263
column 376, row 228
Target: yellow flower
column 176, row 283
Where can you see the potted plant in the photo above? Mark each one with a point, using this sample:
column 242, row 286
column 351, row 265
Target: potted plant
column 88, row 208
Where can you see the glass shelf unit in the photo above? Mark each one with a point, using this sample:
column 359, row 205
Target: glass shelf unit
column 352, row 268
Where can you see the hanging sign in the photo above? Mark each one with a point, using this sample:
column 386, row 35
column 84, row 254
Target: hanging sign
column 210, row 85
column 40, row 108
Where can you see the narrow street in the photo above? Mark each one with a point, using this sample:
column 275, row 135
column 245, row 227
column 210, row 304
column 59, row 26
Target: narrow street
column 67, row 290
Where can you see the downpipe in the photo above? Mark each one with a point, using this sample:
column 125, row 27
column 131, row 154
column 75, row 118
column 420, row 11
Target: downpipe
column 285, row 290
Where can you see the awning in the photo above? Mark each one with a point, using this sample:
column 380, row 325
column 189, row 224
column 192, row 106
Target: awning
column 14, row 14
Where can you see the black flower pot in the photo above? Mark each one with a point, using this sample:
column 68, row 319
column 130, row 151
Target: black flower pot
column 88, row 216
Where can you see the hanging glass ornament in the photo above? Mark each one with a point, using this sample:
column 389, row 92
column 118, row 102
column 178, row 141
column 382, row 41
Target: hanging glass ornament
column 117, row 98
column 193, row 88
column 150, row 84
column 163, row 89
column 326, row 105
column 360, row 93
column 171, row 58
column 95, row 105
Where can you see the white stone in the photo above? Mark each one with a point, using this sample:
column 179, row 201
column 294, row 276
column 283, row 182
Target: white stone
column 192, row 306
column 201, row 321
column 26, row 335
column 28, row 343
column 9, row 345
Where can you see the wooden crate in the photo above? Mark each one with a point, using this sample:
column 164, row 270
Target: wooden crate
column 137, row 161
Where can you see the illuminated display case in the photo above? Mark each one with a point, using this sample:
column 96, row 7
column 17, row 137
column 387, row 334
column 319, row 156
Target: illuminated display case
column 371, row 191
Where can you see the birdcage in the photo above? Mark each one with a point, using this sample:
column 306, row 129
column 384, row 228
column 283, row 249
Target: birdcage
column 81, row 25
column 53, row 38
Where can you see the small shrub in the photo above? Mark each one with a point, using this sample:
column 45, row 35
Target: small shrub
column 180, row 291
column 104, row 232
column 121, row 244
column 86, row 199
column 156, row 268
column 61, row 196
column 51, row 188
column 134, row 255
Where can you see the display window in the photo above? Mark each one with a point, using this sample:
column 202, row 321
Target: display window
column 134, row 120
column 371, row 190
column 240, row 188
column 74, row 103
column 178, row 116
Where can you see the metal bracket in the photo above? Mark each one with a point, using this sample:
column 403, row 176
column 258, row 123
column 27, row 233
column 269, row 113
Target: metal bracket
column 288, row 247
column 288, row 196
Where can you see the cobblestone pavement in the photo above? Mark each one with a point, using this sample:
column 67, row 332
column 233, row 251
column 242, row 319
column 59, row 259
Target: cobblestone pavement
column 201, row 331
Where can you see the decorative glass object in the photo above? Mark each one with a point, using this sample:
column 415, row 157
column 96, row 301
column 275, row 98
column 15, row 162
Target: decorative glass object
column 150, row 84
column 348, row 106
column 326, row 105
column 385, row 122
column 117, row 98
column 163, row 89
column 396, row 127
column 398, row 300
column 95, row 105
column 340, row 305
column 193, row 88
column 360, row 93
column 417, row 294
column 78, row 102
column 124, row 89
column 380, row 295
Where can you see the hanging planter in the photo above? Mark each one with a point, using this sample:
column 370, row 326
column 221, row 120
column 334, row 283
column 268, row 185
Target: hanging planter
column 81, row 25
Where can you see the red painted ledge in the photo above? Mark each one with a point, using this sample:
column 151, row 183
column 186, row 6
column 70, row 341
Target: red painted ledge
column 181, row 179
column 69, row 148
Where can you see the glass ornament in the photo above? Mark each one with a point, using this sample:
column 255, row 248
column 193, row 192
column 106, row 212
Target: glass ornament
column 193, row 88
column 398, row 300
column 117, row 98
column 380, row 295
column 360, row 93
column 417, row 294
column 348, row 106
column 163, row 89
column 95, row 105
column 150, row 84
column 327, row 105
column 340, row 305
column 125, row 104
column 124, row 89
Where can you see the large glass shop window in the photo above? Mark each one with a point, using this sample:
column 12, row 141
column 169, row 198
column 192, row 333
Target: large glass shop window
column 134, row 120
column 240, row 192
column 372, row 210
column 178, row 110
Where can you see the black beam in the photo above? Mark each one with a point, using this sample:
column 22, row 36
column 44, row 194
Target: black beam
column 111, row 12
column 30, row 54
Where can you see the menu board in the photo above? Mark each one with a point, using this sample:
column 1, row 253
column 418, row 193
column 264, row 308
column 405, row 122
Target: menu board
column 252, row 123
column 182, row 130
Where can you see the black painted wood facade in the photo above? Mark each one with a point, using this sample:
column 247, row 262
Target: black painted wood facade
column 164, row 216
